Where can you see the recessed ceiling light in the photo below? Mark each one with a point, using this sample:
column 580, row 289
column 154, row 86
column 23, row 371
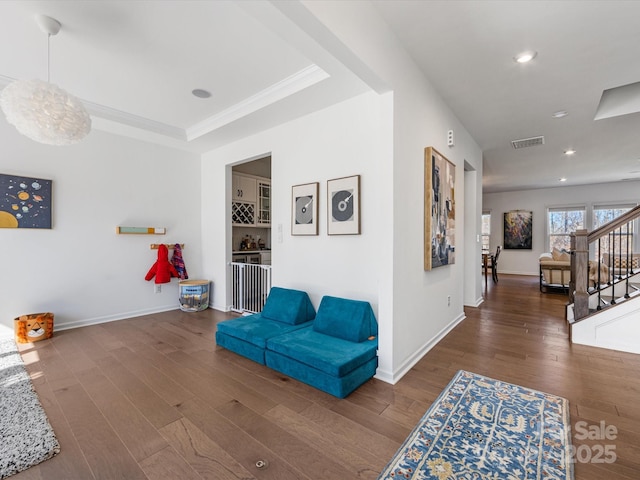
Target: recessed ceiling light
column 563, row 179
column 525, row 57
column 200, row 93
column 569, row 152
column 560, row 114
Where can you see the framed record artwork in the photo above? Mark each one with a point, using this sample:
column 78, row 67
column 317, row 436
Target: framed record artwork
column 439, row 210
column 343, row 206
column 304, row 209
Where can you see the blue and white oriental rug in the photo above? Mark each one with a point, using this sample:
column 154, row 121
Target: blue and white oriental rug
column 480, row 428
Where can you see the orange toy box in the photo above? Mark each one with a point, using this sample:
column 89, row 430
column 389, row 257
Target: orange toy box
column 33, row 327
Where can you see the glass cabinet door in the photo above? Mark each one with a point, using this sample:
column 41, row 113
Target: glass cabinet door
column 264, row 203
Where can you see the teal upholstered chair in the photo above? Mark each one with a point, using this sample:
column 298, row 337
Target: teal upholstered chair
column 336, row 354
column 285, row 310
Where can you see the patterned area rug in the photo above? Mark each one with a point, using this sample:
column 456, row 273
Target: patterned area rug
column 480, row 428
column 26, row 437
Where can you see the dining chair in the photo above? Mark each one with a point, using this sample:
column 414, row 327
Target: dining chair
column 494, row 264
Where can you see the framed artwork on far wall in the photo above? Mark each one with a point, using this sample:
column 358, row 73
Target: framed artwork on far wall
column 343, row 206
column 518, row 230
column 439, row 210
column 304, row 209
column 25, row 202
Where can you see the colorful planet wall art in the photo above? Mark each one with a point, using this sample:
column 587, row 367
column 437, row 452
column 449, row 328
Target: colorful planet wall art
column 24, row 202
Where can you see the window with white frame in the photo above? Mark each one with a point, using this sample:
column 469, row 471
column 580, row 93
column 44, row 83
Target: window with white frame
column 620, row 239
column 561, row 223
column 486, row 231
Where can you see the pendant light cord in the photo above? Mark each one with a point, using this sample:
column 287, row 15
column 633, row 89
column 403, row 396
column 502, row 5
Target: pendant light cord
column 48, row 58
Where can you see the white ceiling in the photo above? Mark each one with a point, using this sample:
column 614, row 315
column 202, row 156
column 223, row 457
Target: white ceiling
column 134, row 63
column 466, row 48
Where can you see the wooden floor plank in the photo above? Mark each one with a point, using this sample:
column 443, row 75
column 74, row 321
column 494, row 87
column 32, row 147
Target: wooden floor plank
column 170, row 391
column 356, row 461
column 168, row 465
column 232, row 387
column 205, row 456
column 313, row 463
column 212, row 414
column 135, row 431
column 95, row 436
column 72, row 465
column 245, row 449
column 158, row 412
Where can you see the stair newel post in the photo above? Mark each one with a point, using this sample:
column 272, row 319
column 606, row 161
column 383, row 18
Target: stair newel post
column 580, row 271
column 572, row 267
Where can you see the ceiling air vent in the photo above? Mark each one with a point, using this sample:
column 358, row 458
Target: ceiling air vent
column 528, row 142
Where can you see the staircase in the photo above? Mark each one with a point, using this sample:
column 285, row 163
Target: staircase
column 603, row 309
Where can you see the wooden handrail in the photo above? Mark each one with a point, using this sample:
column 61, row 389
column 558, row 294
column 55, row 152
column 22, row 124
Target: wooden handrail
column 614, row 224
column 580, row 241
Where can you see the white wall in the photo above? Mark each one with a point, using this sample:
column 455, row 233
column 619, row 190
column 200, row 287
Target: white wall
column 525, row 262
column 80, row 269
column 381, row 137
column 415, row 302
column 340, row 141
column 472, row 241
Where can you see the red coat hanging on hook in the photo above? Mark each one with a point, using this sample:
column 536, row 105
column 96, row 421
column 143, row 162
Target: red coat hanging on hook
column 162, row 269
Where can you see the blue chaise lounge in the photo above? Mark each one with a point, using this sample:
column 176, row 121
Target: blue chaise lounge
column 336, row 354
column 284, row 311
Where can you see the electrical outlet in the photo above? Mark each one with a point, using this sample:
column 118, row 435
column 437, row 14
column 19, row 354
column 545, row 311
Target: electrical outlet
column 157, row 288
column 448, row 300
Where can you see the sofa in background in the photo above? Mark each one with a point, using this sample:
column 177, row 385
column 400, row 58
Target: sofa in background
column 284, row 311
column 336, row 354
column 619, row 265
column 555, row 270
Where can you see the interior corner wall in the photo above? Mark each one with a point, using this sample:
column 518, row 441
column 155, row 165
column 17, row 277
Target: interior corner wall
column 80, row 269
column 525, row 262
column 472, row 241
column 347, row 139
column 425, row 305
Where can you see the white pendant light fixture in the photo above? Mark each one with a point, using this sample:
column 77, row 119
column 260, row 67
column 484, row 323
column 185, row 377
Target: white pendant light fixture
column 43, row 111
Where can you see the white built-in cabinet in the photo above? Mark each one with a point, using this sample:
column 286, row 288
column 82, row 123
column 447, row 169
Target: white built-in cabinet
column 251, row 201
column 244, row 188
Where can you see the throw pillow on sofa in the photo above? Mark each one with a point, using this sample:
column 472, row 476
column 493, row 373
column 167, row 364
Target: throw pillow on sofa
column 560, row 255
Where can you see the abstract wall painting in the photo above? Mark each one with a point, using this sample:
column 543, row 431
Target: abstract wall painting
column 518, row 230
column 25, row 202
column 439, row 210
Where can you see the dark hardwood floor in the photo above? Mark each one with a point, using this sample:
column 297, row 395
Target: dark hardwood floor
column 154, row 398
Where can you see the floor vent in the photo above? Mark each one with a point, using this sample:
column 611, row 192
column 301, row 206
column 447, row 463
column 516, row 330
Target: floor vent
column 528, row 142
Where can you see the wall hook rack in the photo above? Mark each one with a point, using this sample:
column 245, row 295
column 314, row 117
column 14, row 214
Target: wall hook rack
column 155, row 246
column 142, row 230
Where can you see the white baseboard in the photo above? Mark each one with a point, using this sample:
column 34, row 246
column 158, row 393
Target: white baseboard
column 394, row 377
column 479, row 301
column 112, row 318
column 122, row 316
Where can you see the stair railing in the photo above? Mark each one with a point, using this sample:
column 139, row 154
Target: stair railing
column 580, row 286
